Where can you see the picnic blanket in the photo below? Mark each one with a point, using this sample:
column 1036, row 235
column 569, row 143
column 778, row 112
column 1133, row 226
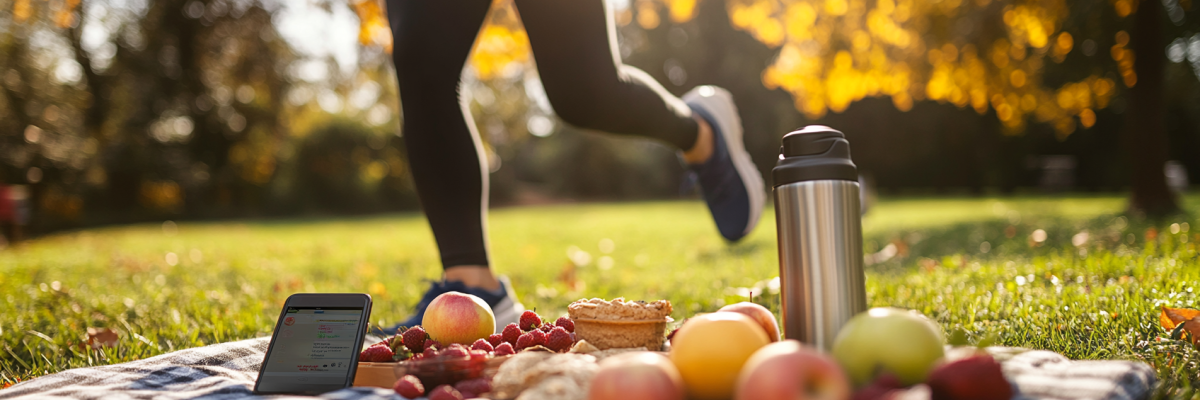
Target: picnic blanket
column 228, row 371
column 1041, row 374
column 216, row 372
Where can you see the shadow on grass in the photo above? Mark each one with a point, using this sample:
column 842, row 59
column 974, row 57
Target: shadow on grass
column 1017, row 239
column 1086, row 288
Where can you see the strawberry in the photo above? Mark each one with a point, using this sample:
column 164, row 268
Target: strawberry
column 477, row 386
column 495, row 339
column 539, row 337
column 482, row 345
column 445, row 392
column 526, row 340
column 432, row 344
column 672, row 334
column 511, row 333
column 396, row 343
column 530, row 320
column 455, row 350
column 402, row 354
column 414, row 339
column 559, row 340
column 376, row 354
column 978, row 377
column 566, row 323
column 430, row 353
column 504, row 349
column 478, row 357
column 409, row 386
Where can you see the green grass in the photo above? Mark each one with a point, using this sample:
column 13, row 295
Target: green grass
column 1096, row 301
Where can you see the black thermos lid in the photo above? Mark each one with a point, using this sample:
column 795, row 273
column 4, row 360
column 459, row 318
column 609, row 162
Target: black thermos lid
column 814, row 153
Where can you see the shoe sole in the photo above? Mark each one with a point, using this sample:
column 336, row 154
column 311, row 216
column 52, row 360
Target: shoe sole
column 508, row 310
column 720, row 105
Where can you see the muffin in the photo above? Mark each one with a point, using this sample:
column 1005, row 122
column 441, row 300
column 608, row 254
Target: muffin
column 621, row 324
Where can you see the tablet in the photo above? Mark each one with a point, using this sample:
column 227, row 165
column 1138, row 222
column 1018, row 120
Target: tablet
column 316, row 342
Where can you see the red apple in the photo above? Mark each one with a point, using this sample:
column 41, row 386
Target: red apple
column 979, row 378
column 789, row 370
column 455, row 317
column 639, row 375
column 759, row 314
column 884, row 387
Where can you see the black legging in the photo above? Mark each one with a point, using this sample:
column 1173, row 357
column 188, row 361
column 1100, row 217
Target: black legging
column 574, row 45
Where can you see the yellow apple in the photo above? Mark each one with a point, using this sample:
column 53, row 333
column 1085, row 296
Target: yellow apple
column 709, row 351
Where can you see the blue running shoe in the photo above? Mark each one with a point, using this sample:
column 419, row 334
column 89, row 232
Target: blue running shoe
column 504, row 303
column 732, row 185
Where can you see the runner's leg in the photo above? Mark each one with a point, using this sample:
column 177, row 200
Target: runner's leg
column 574, row 45
column 575, row 48
column 431, row 42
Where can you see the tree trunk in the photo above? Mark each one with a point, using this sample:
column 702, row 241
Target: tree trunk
column 1145, row 131
column 97, row 110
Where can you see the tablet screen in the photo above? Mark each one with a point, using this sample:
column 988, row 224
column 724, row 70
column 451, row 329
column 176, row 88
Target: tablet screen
column 314, row 349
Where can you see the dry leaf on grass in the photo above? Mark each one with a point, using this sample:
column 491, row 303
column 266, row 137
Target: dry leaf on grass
column 1181, row 319
column 101, row 337
column 568, row 277
column 1171, row 317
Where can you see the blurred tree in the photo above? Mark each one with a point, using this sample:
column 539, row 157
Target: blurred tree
column 200, row 108
column 171, row 107
column 1146, row 135
column 345, row 167
column 1010, row 59
column 1016, row 62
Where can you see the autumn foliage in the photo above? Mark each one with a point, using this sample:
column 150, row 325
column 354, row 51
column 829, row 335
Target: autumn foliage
column 835, row 52
column 502, row 42
column 983, row 54
column 62, row 11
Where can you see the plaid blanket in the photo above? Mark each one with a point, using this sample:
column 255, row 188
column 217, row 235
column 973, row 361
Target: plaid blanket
column 1041, row 374
column 228, row 371
column 217, row 372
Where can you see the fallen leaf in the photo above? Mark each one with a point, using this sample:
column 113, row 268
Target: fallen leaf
column 568, row 277
column 1192, row 326
column 1171, row 317
column 1179, row 321
column 102, row 337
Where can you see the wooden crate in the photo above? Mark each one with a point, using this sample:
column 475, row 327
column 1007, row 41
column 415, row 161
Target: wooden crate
column 376, row 374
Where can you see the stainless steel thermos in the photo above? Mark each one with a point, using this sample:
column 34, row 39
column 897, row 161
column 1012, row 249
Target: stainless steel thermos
column 819, row 225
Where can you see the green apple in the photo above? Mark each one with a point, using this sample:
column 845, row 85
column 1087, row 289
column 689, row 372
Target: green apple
column 888, row 340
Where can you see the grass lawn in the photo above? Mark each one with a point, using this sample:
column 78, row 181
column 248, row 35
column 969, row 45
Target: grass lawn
column 969, row 263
